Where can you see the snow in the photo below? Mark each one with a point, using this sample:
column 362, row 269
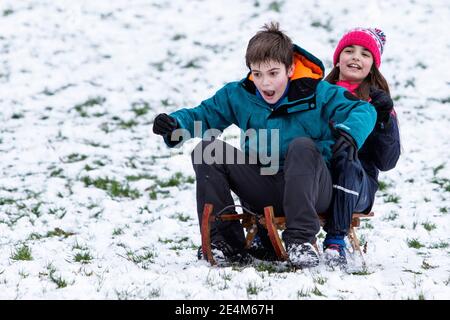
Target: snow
column 74, row 75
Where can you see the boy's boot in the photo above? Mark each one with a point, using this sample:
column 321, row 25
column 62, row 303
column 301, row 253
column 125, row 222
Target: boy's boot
column 302, row 255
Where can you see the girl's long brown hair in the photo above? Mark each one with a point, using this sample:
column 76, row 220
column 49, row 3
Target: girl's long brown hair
column 373, row 79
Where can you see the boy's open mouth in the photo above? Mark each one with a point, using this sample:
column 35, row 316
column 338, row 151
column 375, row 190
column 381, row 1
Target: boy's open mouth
column 269, row 93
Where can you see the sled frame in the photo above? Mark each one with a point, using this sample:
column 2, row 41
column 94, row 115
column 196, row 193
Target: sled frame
column 273, row 224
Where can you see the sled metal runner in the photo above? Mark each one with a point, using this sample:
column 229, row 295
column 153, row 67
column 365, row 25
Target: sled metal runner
column 270, row 222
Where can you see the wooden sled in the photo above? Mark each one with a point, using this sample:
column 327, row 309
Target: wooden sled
column 272, row 224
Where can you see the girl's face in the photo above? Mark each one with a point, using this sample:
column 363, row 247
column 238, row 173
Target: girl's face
column 354, row 63
column 271, row 79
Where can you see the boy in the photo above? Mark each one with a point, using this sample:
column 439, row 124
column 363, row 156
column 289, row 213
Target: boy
column 288, row 114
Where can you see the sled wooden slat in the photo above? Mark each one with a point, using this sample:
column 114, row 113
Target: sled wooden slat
column 205, row 231
column 272, row 229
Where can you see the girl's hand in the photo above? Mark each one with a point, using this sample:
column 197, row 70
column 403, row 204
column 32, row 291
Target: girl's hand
column 382, row 102
column 344, row 143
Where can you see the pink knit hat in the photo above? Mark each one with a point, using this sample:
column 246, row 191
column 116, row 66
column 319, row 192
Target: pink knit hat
column 372, row 39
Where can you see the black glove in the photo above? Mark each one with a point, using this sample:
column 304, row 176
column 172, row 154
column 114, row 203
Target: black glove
column 382, row 103
column 164, row 124
column 344, row 141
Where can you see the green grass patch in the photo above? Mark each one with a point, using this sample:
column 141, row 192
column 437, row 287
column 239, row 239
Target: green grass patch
column 83, row 257
column 392, row 198
column 180, row 216
column 128, row 124
column 391, row 216
column 82, row 107
column 23, row 274
column 34, row 236
column 414, row 243
column 427, row 266
column 140, row 108
column 272, row 267
column 179, row 244
column 57, row 173
column 166, row 241
column 178, row 36
column 253, row 288
column 411, row 271
column 421, row 65
column 318, row 24
column 22, row 253
column 17, row 116
column 58, row 232
column 275, row 6
column 117, row 232
column 317, row 292
column 113, row 187
column 57, row 280
column 444, row 183
column 140, row 177
column 303, row 293
column 143, row 258
column 88, row 168
column 410, row 83
column 74, row 157
column 321, row 235
column 364, row 272
column 440, row 245
column 176, row 180
column 4, row 201
column 438, row 168
column 7, row 12
column 35, row 209
column 320, row 280
column 176, row 247
column 167, row 102
column 429, row 226
column 192, row 64
column 153, row 192
column 158, row 66
column 58, row 212
column 99, row 163
column 383, row 186
column 77, row 246
column 367, row 225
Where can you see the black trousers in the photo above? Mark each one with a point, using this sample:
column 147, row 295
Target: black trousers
column 299, row 191
column 352, row 192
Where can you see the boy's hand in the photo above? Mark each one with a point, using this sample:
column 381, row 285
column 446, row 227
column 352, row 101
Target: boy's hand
column 382, row 103
column 344, row 141
column 164, row 124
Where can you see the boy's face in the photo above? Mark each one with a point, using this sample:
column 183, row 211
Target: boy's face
column 271, row 79
column 355, row 63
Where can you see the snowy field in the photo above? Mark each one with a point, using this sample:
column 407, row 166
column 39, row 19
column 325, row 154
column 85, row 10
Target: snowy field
column 94, row 206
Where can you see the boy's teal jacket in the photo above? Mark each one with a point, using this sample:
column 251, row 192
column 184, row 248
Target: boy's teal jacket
column 308, row 110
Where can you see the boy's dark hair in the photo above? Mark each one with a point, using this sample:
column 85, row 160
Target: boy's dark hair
column 270, row 44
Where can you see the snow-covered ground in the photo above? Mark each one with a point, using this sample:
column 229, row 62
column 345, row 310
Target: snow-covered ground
column 94, row 206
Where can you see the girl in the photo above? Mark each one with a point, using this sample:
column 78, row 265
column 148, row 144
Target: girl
column 356, row 60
